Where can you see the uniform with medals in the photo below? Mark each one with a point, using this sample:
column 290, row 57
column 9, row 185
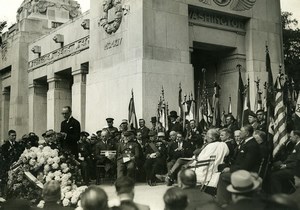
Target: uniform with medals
column 127, row 152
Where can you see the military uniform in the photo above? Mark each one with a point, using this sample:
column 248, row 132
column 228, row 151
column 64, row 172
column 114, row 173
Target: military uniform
column 126, row 155
column 155, row 164
column 84, row 152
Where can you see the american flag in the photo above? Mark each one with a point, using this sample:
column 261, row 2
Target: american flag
column 280, row 132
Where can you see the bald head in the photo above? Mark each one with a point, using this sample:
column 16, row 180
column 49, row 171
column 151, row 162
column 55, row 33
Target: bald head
column 94, row 198
column 187, row 178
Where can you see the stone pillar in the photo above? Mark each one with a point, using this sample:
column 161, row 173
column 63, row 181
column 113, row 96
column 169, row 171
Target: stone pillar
column 5, row 113
column 58, row 96
column 37, row 108
column 79, row 96
column 228, row 78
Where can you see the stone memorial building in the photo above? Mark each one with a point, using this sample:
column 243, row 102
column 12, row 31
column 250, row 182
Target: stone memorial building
column 55, row 56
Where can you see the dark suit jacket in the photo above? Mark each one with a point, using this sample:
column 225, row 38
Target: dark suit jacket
column 145, row 132
column 187, row 150
column 11, row 153
column 102, row 146
column 72, row 129
column 248, row 157
column 293, row 160
column 196, row 198
column 140, row 206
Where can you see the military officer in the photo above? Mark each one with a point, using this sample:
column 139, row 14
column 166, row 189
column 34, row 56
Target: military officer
column 113, row 131
column 127, row 153
column 156, row 154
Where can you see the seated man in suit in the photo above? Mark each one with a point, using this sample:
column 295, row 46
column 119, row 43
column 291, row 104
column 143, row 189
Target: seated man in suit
column 179, row 149
column 125, row 191
column 283, row 172
column 108, row 161
column 156, row 154
column 248, row 158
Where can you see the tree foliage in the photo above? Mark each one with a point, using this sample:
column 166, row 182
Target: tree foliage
column 291, row 46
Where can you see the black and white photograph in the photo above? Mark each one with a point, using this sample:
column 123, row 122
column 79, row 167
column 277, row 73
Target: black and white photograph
column 150, row 104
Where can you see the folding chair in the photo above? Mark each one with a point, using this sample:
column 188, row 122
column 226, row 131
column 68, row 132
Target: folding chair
column 205, row 163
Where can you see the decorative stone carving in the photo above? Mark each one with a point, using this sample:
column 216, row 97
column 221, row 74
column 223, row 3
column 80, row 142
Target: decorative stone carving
column 86, row 24
column 222, row 3
column 41, row 6
column 113, row 26
column 205, row 1
column 73, row 8
column 4, row 51
column 236, row 5
column 242, row 5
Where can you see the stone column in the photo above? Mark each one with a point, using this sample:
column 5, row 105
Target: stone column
column 79, row 96
column 5, row 114
column 58, row 96
column 37, row 108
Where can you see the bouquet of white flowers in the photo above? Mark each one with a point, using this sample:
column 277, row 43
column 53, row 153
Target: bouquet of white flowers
column 45, row 164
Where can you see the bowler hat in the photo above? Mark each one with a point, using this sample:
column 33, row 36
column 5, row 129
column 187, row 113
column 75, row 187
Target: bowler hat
column 153, row 119
column 109, row 119
column 173, row 114
column 243, row 181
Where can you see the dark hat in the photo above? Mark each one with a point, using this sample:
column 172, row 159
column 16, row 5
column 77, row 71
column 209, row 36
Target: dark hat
column 151, row 133
column 127, row 133
column 260, row 110
column 153, row 119
column 173, row 114
column 99, row 131
column 109, row 119
column 251, row 113
column 84, row 133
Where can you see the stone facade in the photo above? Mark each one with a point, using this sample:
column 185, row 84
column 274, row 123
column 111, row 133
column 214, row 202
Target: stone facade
column 140, row 45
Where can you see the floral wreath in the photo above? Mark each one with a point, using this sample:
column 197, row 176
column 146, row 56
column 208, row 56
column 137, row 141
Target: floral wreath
column 114, row 26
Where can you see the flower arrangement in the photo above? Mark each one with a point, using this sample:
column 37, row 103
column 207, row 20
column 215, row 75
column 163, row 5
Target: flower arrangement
column 45, row 164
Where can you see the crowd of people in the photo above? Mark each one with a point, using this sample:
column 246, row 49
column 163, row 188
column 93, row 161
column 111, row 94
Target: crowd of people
column 242, row 171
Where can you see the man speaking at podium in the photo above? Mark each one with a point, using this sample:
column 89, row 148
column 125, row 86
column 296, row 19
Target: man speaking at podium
column 70, row 128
